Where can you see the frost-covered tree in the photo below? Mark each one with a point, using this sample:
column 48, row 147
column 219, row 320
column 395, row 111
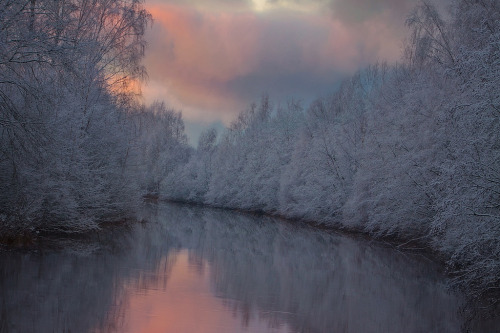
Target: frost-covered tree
column 160, row 145
column 64, row 132
column 190, row 181
column 468, row 223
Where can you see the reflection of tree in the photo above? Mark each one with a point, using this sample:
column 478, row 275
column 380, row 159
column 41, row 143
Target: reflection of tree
column 75, row 292
column 54, row 291
column 261, row 269
column 311, row 280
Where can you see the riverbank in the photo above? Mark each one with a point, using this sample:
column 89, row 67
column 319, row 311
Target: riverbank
column 34, row 240
column 399, row 243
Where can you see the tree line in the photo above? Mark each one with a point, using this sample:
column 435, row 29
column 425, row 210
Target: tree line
column 76, row 148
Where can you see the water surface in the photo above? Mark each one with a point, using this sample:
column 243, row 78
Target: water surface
column 192, row 269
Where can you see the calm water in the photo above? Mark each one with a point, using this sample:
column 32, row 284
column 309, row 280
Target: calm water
column 202, row 270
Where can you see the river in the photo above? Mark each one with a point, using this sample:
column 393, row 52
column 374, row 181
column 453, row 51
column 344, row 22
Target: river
column 192, row 269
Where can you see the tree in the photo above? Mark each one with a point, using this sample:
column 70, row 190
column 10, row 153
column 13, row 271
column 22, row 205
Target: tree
column 64, row 137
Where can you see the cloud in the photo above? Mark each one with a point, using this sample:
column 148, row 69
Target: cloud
column 211, row 58
column 357, row 11
column 206, row 5
column 193, row 54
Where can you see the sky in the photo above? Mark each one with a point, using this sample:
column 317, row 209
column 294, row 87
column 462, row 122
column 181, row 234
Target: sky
column 212, row 58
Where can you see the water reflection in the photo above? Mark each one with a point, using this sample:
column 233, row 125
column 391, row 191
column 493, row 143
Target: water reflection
column 180, row 300
column 202, row 270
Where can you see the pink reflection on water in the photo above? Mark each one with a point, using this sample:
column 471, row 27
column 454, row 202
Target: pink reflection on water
column 178, row 298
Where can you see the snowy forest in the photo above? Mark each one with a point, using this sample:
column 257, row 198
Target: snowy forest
column 408, row 150
column 76, row 148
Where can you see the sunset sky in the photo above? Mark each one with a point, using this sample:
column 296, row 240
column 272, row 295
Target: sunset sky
column 211, row 58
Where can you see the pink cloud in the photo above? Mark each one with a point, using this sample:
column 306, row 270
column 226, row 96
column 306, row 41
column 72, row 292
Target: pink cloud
column 211, row 63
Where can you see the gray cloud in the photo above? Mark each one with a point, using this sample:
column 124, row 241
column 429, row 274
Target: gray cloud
column 211, row 58
column 356, row 11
